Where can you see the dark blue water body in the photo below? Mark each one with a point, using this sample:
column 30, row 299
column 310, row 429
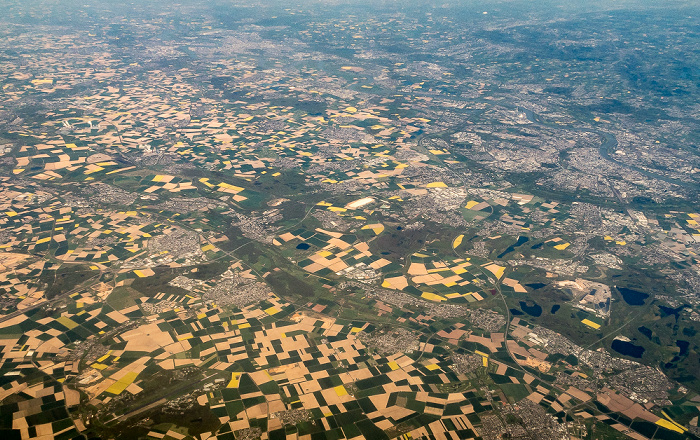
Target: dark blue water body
column 521, row 241
column 555, row 309
column 668, row 311
column 627, row 348
column 303, row 246
column 685, row 348
column 632, row 297
column 536, row 286
column 531, row 308
column 537, row 246
column 645, row 331
column 516, row 312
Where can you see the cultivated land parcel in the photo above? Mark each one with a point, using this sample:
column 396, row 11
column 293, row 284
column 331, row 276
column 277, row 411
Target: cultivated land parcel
column 349, row 221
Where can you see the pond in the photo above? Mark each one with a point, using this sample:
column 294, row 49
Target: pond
column 684, row 346
column 303, row 246
column 555, row 309
column 632, row 297
column 668, row 311
column 627, row 348
column 536, row 286
column 531, row 308
column 516, row 312
column 645, row 331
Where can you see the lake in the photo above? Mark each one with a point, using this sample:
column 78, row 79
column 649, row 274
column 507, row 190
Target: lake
column 627, row 348
column 521, row 240
column 531, row 308
column 632, row 297
column 668, row 311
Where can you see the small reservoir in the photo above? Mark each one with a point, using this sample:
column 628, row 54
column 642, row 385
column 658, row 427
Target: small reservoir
column 627, row 348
